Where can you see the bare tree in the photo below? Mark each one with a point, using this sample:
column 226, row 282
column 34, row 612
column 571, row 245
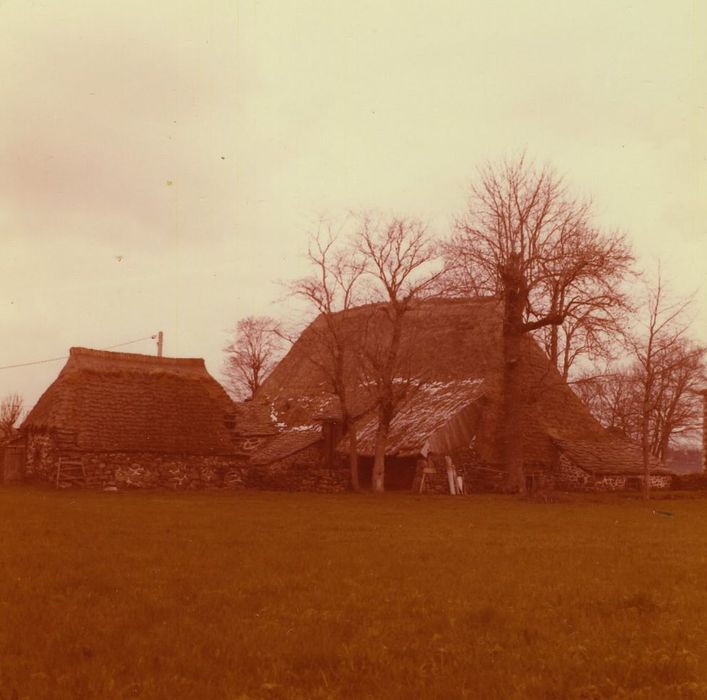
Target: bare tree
column 587, row 290
column 10, row 412
column 615, row 397
column 667, row 366
column 331, row 290
column 526, row 240
column 251, row 355
column 612, row 396
column 400, row 256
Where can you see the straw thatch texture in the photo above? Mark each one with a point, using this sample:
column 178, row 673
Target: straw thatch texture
column 110, row 401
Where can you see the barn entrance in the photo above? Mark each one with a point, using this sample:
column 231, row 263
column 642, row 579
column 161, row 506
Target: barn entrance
column 399, row 472
column 12, row 463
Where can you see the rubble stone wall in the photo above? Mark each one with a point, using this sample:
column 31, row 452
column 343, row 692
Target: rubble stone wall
column 41, row 457
column 570, row 476
column 125, row 470
column 301, row 471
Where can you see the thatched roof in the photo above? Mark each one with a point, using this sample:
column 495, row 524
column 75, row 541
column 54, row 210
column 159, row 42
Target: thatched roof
column 421, row 424
column 456, row 346
column 285, row 444
column 255, row 419
column 114, row 401
column 610, row 455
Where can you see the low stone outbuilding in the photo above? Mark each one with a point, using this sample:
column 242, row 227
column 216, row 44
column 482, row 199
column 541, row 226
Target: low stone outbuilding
column 114, row 419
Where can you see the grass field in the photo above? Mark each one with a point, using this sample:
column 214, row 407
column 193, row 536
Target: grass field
column 263, row 595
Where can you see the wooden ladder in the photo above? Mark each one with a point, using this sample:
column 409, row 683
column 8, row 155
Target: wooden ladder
column 70, row 472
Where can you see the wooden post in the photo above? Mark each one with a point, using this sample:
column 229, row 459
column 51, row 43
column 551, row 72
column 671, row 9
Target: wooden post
column 160, row 341
column 451, row 475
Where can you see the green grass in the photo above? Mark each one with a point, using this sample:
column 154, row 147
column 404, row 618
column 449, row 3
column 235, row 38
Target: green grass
column 262, row 595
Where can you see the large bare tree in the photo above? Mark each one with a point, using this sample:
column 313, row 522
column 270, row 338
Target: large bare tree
column 400, row 258
column 331, row 290
column 254, row 350
column 10, row 411
column 525, row 239
column 667, row 366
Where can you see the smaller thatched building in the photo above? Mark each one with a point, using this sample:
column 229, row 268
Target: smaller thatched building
column 114, row 419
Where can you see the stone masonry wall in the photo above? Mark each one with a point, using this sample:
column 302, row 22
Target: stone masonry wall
column 41, row 457
column 135, row 469
column 125, row 470
column 301, row 471
column 571, row 477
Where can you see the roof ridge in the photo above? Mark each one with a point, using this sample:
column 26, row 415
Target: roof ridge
column 141, row 358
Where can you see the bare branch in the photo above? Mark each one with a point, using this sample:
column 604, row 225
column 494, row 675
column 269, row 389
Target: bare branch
column 251, row 355
column 10, row 411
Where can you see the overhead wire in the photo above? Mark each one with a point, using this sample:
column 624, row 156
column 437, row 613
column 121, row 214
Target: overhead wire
column 64, row 357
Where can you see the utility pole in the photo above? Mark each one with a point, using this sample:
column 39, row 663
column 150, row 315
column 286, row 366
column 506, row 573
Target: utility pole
column 160, row 341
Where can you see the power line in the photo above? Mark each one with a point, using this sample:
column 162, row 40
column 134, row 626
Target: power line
column 37, row 362
column 64, row 357
column 130, row 342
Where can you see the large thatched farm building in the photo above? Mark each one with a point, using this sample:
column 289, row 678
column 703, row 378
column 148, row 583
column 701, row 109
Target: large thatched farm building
column 451, row 365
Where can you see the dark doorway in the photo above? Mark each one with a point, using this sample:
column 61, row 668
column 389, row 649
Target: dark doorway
column 634, row 483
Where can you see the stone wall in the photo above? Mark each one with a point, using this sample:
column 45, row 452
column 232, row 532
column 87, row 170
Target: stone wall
column 613, row 482
column 41, row 457
column 659, row 481
column 301, row 471
column 126, row 470
column 571, row 477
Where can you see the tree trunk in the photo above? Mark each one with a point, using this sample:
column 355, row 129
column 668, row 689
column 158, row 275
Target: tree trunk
column 645, row 450
column 353, row 458
column 515, row 297
column 554, row 332
column 512, row 416
column 554, row 346
column 378, row 475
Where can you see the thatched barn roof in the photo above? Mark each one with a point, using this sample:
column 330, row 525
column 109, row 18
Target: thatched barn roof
column 124, row 402
column 425, row 420
column 254, row 419
column 610, row 455
column 451, row 349
column 285, row 444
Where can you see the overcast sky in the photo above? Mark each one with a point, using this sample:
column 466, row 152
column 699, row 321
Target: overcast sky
column 161, row 162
